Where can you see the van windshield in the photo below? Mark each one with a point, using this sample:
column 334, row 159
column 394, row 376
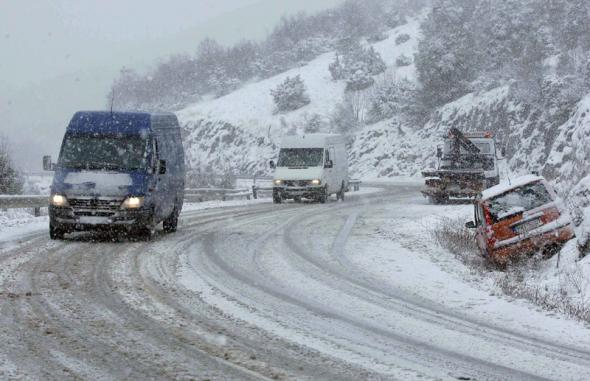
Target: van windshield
column 519, row 200
column 301, row 157
column 125, row 153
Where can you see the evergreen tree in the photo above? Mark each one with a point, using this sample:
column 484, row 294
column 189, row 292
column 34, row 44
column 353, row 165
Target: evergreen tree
column 290, row 95
column 10, row 181
column 445, row 59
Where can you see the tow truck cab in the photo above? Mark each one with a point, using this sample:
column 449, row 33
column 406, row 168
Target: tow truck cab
column 118, row 170
column 486, row 159
column 520, row 218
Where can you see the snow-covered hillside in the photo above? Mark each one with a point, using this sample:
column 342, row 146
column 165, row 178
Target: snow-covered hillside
column 241, row 132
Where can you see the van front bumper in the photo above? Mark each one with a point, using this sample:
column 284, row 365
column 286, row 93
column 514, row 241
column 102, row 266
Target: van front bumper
column 67, row 219
column 311, row 191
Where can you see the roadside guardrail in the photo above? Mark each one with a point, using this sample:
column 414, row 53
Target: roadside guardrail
column 190, row 195
column 24, row 201
column 257, row 190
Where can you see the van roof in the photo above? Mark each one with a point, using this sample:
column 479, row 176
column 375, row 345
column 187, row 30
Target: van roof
column 106, row 122
column 505, row 187
column 310, row 140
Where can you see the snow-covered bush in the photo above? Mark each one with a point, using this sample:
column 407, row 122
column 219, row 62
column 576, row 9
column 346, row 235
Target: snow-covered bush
column 313, row 124
column 402, row 38
column 356, row 64
column 290, row 95
column 403, row 60
column 579, row 201
column 359, row 80
column 392, row 97
column 10, row 181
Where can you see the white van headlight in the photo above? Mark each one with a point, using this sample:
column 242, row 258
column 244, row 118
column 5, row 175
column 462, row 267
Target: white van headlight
column 277, row 182
column 58, row 200
column 132, row 203
column 316, row 182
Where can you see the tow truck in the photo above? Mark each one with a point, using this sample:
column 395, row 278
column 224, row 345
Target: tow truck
column 467, row 164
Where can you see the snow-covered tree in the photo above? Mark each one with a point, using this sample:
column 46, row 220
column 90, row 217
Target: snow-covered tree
column 402, row 38
column 313, row 124
column 445, row 60
column 290, row 95
column 10, row 181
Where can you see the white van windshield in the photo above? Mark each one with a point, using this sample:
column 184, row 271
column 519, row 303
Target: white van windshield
column 301, row 157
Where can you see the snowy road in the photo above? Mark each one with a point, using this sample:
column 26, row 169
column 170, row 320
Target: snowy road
column 344, row 291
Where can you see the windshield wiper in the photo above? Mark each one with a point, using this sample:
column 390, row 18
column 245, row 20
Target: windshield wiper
column 100, row 165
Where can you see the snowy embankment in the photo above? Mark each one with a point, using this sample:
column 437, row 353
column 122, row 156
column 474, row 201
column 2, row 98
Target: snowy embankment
column 241, row 131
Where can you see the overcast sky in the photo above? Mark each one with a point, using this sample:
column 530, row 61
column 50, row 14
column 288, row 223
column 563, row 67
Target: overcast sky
column 60, row 56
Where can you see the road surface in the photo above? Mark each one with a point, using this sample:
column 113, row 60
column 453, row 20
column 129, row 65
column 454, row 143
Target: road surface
column 342, row 291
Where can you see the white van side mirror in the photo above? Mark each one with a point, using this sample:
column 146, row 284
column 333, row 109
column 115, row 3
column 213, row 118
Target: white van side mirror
column 329, row 164
column 272, row 164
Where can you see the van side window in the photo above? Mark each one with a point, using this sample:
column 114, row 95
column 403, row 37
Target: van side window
column 155, row 154
column 326, row 156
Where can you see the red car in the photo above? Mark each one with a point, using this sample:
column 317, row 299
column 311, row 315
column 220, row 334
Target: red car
column 520, row 218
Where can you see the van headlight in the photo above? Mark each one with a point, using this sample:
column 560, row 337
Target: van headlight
column 316, row 182
column 58, row 200
column 132, row 203
column 277, row 182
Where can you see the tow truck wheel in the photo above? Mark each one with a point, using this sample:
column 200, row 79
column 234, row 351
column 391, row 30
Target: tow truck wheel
column 55, row 233
column 276, row 198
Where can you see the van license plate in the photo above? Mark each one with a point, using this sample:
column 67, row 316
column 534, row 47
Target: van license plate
column 527, row 226
column 90, row 220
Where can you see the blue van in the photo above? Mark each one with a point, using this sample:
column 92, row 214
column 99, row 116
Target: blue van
column 118, row 170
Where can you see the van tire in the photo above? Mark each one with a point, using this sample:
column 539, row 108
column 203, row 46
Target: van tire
column 323, row 196
column 276, row 199
column 340, row 195
column 170, row 224
column 56, row 233
column 148, row 230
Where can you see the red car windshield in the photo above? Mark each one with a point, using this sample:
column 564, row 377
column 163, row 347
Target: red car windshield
column 518, row 200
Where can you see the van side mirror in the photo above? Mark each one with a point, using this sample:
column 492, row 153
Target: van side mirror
column 470, row 225
column 162, row 167
column 439, row 152
column 272, row 164
column 48, row 163
column 503, row 152
column 329, row 164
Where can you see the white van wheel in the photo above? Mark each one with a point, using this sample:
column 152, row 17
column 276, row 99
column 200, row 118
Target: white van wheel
column 324, row 196
column 340, row 195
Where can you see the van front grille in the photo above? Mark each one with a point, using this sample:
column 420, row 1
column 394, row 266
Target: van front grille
column 297, row 183
column 95, row 206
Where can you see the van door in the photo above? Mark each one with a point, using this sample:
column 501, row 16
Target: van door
column 163, row 186
column 330, row 172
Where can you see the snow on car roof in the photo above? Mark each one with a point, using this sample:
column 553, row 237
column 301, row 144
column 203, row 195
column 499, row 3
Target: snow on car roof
column 505, row 187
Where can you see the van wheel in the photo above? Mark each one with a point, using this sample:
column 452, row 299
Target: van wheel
column 340, row 195
column 147, row 231
column 171, row 223
column 56, row 233
column 323, row 196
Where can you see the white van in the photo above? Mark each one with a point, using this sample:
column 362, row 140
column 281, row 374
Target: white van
column 311, row 166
